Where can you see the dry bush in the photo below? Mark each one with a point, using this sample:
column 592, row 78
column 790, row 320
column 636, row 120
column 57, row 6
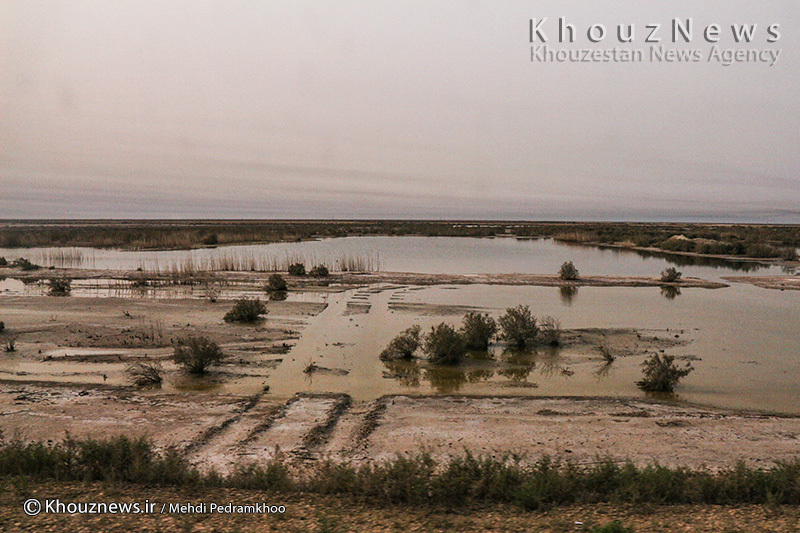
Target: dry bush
column 478, row 329
column 196, row 353
column 661, row 374
column 550, row 331
column 568, row 271
column 403, row 346
column 519, row 326
column 246, row 310
column 144, row 374
column 444, row 344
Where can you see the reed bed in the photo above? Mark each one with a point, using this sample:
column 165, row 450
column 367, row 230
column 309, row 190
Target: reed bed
column 194, row 269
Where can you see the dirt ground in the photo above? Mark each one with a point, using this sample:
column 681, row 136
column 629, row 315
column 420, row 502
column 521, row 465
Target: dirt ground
column 230, row 429
column 320, row 513
column 66, row 377
column 768, row 282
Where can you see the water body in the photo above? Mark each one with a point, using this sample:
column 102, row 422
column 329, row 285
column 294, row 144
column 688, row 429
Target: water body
column 434, row 255
column 743, row 341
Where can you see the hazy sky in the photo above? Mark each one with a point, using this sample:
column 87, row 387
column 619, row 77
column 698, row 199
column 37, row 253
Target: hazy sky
column 388, row 108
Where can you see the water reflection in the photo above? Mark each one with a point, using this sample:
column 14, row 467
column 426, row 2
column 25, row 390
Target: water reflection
column 510, row 364
column 568, row 293
column 691, row 260
column 670, row 292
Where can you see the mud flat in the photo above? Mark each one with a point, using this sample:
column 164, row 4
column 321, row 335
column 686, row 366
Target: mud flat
column 791, row 283
column 219, row 430
column 541, row 280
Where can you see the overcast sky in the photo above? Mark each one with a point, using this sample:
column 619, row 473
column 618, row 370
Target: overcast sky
column 379, row 108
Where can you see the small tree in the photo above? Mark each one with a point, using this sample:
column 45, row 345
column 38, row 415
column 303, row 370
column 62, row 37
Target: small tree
column 403, row 346
column 196, row 353
column 670, row 275
column 246, row 310
column 444, row 344
column 519, row 326
column 297, row 269
column 276, row 283
column 60, row 286
column 550, row 331
column 661, row 374
column 478, row 330
column 568, row 271
column 319, row 271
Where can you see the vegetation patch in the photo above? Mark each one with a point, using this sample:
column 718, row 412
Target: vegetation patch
column 403, row 345
column 246, row 310
column 196, row 354
column 661, row 374
column 417, row 480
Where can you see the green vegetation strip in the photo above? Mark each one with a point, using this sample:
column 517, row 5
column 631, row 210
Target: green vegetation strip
column 412, row 480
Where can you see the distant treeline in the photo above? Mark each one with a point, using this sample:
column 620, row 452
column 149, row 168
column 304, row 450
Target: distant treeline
column 775, row 241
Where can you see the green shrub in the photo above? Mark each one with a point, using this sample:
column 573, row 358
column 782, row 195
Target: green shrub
column 2, row 326
column 246, row 310
column 445, row 345
column 297, row 269
column 276, row 283
column 211, row 240
column 478, row 329
column 403, row 346
column 319, row 271
column 550, row 331
column 196, row 353
column 60, row 286
column 661, row 374
column 670, row 275
column 3, row 262
column 519, row 326
column 568, row 271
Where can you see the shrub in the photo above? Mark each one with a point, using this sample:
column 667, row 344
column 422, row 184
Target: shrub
column 319, row 271
column 246, row 310
column 444, row 344
column 297, row 269
column 519, row 326
column 403, row 346
column 11, row 345
column 143, row 374
column 670, row 275
column 568, row 271
column 196, row 353
column 605, row 352
column 60, row 286
column 2, row 325
column 550, row 331
column 211, row 240
column 24, row 264
column 477, row 329
column 3, row 262
column 661, row 374
column 212, row 291
column 276, row 283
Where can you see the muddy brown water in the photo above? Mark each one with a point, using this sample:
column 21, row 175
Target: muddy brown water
column 743, row 341
column 433, row 255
